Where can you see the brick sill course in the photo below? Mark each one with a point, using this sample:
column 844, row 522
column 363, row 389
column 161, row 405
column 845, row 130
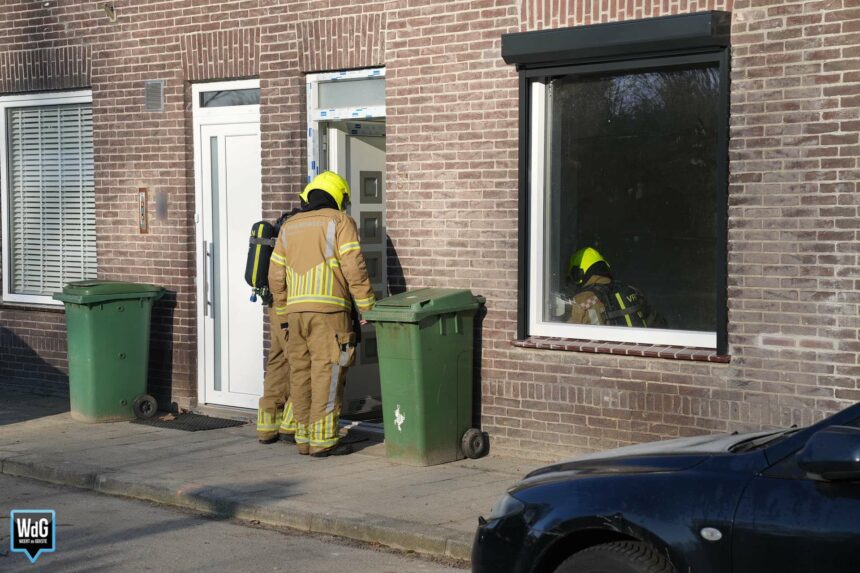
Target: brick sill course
column 623, row 349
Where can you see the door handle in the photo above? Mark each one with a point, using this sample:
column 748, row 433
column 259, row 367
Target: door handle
column 205, row 278
column 209, row 279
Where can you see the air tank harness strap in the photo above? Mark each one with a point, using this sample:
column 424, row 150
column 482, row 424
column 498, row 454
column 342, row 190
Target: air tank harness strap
column 620, row 313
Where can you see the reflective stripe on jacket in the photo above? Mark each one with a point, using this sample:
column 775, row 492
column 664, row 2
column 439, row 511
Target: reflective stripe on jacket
column 317, row 265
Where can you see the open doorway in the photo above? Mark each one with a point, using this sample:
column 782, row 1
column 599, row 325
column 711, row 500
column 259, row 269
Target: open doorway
column 346, row 134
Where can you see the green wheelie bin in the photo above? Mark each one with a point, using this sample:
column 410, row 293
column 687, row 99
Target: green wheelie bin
column 107, row 324
column 425, row 349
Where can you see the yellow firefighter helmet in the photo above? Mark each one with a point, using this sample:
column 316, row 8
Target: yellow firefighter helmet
column 581, row 261
column 331, row 183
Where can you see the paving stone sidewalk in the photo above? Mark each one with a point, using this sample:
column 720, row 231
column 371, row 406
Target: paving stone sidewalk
column 226, row 472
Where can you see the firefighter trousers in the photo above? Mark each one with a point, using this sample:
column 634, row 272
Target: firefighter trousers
column 320, row 348
column 275, row 411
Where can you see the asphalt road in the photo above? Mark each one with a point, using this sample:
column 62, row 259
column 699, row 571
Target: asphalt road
column 102, row 533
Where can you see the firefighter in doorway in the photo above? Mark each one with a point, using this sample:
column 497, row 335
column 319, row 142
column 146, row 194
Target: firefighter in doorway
column 275, row 418
column 318, row 267
column 601, row 300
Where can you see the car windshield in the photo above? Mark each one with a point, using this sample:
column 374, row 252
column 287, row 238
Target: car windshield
column 761, row 441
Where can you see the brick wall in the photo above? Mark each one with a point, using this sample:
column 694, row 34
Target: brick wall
column 452, row 192
column 342, row 41
column 792, row 258
column 60, row 68
column 543, row 14
column 33, row 350
column 793, row 219
column 451, row 152
column 175, row 42
column 793, row 205
column 178, row 42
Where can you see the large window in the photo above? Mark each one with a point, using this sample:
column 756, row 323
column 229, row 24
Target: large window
column 625, row 155
column 48, row 194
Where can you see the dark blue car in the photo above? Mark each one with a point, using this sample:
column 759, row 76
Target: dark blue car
column 786, row 501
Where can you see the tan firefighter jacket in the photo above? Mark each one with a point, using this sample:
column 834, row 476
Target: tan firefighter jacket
column 318, row 265
column 587, row 307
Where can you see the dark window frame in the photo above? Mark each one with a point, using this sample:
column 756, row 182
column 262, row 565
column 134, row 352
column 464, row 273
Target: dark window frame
column 697, row 39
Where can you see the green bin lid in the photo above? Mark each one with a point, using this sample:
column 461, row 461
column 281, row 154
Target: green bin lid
column 95, row 291
column 416, row 305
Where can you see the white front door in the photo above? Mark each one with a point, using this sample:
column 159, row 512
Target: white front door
column 231, row 359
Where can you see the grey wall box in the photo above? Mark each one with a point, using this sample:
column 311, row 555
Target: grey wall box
column 161, row 206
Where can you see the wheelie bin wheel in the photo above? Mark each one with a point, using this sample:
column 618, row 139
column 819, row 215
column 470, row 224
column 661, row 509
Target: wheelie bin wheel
column 145, row 406
column 475, row 443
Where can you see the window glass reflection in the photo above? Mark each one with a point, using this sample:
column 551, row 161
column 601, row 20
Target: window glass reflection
column 226, row 98
column 631, row 167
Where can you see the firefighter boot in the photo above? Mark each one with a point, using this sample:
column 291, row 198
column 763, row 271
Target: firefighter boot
column 341, row 449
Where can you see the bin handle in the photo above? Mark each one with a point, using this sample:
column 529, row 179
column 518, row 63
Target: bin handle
column 443, row 325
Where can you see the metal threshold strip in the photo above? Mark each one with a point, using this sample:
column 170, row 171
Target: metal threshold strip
column 250, row 415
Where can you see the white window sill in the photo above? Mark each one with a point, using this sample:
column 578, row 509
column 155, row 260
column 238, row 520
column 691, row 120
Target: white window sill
column 623, row 349
column 32, row 306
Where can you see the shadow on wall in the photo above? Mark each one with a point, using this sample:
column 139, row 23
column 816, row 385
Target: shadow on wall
column 397, row 285
column 30, row 387
column 161, row 349
column 478, row 350
column 23, row 367
column 396, row 280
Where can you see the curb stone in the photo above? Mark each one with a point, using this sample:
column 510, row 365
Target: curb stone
column 397, row 534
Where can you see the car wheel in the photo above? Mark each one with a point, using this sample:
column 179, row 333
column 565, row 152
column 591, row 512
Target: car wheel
column 617, row 557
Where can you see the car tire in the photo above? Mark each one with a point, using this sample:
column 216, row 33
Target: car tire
column 617, row 557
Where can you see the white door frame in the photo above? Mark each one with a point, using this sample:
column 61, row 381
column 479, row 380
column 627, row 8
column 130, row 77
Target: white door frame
column 201, row 117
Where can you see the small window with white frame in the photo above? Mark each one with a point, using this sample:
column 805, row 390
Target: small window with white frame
column 624, row 182
column 48, row 193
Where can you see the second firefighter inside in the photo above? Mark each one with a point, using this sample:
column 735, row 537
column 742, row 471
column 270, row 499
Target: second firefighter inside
column 317, row 272
column 601, row 300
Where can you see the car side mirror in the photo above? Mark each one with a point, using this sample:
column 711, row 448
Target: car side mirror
column 833, row 454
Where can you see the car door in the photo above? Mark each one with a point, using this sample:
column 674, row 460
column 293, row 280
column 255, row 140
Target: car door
column 790, row 523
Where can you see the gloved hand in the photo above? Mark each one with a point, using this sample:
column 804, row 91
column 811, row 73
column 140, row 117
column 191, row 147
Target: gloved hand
column 559, row 304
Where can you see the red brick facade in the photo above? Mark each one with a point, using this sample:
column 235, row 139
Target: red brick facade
column 452, row 128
